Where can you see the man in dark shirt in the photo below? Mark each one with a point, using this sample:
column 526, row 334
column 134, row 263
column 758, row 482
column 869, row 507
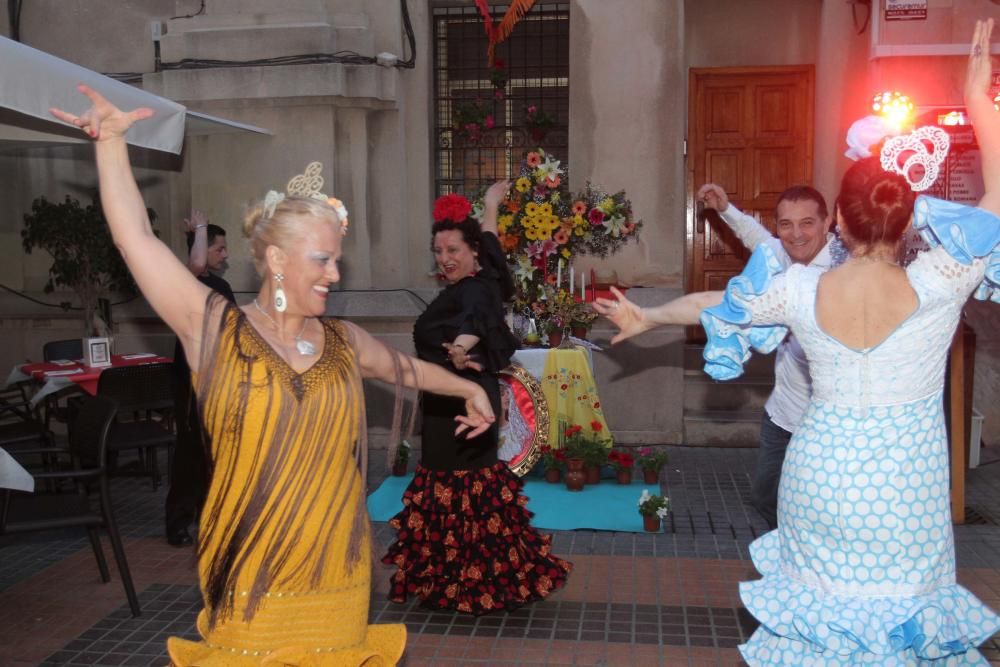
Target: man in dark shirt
column 207, row 254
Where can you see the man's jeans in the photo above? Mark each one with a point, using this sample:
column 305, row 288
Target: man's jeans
column 770, row 456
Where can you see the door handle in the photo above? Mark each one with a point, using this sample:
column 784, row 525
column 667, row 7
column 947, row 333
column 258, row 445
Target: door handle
column 699, row 217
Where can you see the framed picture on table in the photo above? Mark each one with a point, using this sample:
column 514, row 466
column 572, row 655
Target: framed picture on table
column 96, row 352
column 524, row 420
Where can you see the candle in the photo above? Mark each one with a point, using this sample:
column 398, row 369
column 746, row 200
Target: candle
column 571, row 274
column 583, row 285
column 559, row 276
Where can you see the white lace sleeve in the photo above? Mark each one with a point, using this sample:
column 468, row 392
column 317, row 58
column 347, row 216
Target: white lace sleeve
column 942, row 275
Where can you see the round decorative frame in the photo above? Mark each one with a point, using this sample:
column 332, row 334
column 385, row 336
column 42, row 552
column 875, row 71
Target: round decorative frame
column 528, row 397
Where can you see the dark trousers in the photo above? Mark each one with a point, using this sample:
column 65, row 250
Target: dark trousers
column 770, row 457
column 189, row 478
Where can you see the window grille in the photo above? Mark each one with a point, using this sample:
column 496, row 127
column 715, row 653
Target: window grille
column 536, row 63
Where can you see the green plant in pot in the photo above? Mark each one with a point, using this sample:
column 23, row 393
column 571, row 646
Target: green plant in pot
column 84, row 256
column 653, row 508
column 590, row 446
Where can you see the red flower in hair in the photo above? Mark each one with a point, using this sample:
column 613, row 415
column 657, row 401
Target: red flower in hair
column 452, row 207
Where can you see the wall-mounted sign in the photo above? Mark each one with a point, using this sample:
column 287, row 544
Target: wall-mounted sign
column 905, row 10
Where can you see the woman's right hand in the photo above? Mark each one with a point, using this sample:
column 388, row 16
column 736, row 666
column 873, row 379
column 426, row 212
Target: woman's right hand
column 103, row 121
column 496, row 194
column 197, row 219
column 624, row 314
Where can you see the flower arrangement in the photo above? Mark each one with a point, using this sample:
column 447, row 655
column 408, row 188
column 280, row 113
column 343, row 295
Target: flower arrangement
column 537, row 122
column 652, row 459
column 620, row 460
column 470, row 118
column 583, row 316
column 653, row 505
column 552, row 459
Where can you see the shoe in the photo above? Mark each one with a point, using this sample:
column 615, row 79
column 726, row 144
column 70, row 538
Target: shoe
column 180, row 538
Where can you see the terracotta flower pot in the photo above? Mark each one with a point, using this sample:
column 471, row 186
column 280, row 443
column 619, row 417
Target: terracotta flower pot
column 580, row 332
column 624, row 476
column 555, row 337
column 651, row 524
column 552, row 475
column 575, row 476
column 650, row 476
column 399, row 469
column 593, row 474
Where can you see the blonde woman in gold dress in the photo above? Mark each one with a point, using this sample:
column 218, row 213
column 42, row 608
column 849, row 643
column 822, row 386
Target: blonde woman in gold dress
column 284, row 553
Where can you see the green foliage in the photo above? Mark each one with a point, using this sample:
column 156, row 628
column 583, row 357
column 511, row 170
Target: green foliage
column 84, row 256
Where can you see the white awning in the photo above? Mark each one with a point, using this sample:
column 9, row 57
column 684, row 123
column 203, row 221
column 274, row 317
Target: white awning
column 34, row 81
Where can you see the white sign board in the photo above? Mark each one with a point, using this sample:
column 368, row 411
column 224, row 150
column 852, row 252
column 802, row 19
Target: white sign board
column 905, row 10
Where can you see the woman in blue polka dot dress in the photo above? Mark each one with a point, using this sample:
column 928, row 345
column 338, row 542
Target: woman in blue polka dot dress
column 861, row 569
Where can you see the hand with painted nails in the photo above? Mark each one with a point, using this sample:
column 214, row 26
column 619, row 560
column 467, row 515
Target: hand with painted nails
column 103, row 121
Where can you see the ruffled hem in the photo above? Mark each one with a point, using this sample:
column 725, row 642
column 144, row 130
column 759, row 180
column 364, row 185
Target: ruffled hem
column 728, row 328
column 965, row 232
column 465, row 543
column 382, row 647
column 803, row 626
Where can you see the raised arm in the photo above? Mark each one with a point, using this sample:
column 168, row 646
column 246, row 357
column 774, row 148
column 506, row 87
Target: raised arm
column 376, row 361
column 197, row 225
column 632, row 320
column 167, row 284
column 750, row 232
column 984, row 117
column 491, row 201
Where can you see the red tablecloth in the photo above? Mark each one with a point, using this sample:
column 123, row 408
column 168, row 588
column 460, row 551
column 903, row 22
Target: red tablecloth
column 87, row 377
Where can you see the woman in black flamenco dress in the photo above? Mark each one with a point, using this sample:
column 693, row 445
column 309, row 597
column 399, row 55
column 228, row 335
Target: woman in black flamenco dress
column 464, row 537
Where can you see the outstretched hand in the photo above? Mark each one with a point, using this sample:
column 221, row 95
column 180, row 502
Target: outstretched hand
column 103, row 121
column 624, row 314
column 197, row 218
column 496, row 194
column 978, row 73
column 713, row 196
column 478, row 415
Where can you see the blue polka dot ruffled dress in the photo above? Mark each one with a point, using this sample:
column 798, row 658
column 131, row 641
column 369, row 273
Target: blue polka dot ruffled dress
column 861, row 569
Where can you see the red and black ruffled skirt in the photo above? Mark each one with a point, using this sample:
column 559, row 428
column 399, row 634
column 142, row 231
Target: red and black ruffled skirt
column 465, row 542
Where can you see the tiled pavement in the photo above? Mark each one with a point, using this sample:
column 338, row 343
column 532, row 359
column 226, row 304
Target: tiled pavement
column 633, row 599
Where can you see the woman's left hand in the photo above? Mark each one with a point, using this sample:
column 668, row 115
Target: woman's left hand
column 478, row 414
column 460, row 358
column 103, row 121
column 978, row 74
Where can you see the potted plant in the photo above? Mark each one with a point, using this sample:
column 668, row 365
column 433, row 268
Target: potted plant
column 651, row 461
column 582, row 319
column 537, row 122
column 554, row 331
column 653, row 509
column 592, row 448
column 84, row 256
column 471, row 118
column 401, row 459
column 622, row 462
column 552, row 463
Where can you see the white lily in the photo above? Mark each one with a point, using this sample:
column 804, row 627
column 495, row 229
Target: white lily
column 615, row 225
column 547, row 169
column 644, row 497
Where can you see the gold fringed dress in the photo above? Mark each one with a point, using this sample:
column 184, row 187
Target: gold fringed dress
column 284, row 557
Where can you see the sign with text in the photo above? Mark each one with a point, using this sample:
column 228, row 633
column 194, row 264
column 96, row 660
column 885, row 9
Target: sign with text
column 905, row 10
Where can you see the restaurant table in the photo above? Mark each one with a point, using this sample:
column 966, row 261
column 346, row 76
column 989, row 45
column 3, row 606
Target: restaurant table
column 13, row 475
column 59, row 374
column 568, row 385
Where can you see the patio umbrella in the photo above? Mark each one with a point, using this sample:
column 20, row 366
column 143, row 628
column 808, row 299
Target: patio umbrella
column 34, row 81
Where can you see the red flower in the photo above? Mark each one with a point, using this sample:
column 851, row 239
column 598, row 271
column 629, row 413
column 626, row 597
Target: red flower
column 498, row 63
column 490, row 122
column 596, row 217
column 452, row 207
column 596, row 426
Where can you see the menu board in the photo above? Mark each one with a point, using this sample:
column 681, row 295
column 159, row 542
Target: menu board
column 961, row 177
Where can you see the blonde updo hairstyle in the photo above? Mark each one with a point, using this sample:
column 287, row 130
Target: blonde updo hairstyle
column 287, row 224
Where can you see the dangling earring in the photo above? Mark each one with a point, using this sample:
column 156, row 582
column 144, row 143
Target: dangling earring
column 280, row 301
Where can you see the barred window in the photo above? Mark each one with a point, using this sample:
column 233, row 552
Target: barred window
column 481, row 136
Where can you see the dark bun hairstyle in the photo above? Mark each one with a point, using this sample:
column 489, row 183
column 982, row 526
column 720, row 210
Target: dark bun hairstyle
column 874, row 205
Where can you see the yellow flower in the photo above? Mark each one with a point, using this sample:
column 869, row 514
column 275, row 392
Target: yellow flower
column 545, row 209
column 522, row 184
column 578, row 231
column 566, row 253
column 607, row 205
column 504, row 222
column 578, row 221
column 531, row 234
column 531, row 209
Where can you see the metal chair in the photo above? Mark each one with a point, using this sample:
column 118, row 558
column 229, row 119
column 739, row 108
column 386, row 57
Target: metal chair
column 145, row 411
column 32, row 512
column 71, row 349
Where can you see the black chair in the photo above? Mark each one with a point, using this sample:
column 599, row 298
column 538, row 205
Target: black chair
column 71, row 349
column 145, row 411
column 52, row 408
column 32, row 512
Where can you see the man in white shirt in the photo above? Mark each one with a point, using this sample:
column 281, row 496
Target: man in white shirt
column 803, row 226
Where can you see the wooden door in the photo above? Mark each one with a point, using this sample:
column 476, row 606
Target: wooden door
column 750, row 130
